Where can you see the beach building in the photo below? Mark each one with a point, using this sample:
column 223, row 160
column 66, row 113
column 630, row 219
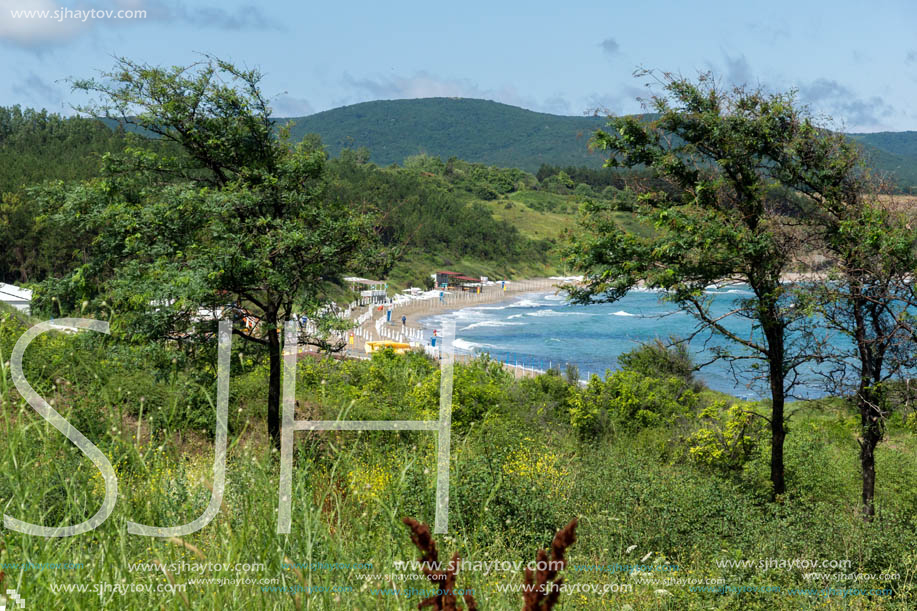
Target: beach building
column 454, row 280
column 12, row 295
column 444, row 279
column 371, row 291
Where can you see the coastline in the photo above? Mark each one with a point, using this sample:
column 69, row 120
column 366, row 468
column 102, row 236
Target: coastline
column 422, row 309
column 416, row 309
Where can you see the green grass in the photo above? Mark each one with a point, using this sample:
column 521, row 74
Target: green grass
column 518, row 473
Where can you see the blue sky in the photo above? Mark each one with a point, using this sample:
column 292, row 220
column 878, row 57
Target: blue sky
column 854, row 63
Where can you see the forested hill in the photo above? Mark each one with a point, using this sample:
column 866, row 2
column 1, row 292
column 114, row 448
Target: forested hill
column 498, row 134
column 38, row 145
column 35, row 145
column 475, row 130
column 893, row 152
column 898, row 143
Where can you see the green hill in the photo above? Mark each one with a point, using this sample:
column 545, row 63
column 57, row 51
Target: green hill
column 473, row 130
column 903, row 144
column 893, row 152
column 499, row 134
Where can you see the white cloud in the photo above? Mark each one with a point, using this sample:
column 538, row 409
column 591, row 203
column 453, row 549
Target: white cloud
column 288, row 106
column 40, row 92
column 33, row 31
column 839, row 101
column 425, row 85
column 48, row 22
column 421, row 85
column 737, row 70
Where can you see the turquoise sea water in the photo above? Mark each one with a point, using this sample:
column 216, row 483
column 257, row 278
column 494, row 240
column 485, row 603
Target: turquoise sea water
column 542, row 330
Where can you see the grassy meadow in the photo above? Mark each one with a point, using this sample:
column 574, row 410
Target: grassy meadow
column 652, row 485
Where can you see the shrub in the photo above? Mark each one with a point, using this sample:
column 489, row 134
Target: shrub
column 729, row 439
column 478, row 387
column 559, row 183
column 656, row 359
column 571, row 373
column 546, row 394
column 628, row 400
column 583, row 191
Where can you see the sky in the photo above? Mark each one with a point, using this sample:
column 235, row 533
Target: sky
column 851, row 63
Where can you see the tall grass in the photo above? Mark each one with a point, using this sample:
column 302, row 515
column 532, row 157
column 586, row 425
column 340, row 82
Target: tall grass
column 519, row 473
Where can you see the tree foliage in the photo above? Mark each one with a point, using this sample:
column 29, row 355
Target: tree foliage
column 236, row 224
column 725, row 154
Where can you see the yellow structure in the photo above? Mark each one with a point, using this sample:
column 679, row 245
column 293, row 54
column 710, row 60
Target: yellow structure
column 398, row 347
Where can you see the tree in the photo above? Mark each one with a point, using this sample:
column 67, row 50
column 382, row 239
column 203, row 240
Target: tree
column 235, row 224
column 725, row 219
column 866, row 300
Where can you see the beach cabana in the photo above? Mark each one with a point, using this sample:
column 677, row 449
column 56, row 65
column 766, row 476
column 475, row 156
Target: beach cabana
column 19, row 298
column 371, row 291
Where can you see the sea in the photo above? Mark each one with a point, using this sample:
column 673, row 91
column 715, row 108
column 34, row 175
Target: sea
column 542, row 330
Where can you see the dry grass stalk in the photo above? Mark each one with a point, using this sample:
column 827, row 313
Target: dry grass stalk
column 442, row 580
column 540, row 592
column 296, row 600
column 194, row 549
column 172, row 581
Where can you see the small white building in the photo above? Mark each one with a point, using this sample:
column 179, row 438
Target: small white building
column 21, row 299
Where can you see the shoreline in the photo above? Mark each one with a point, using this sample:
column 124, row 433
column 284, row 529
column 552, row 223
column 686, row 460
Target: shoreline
column 415, row 309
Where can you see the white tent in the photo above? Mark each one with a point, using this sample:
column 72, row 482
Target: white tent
column 15, row 296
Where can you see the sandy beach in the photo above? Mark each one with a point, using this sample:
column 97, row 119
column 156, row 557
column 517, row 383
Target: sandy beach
column 416, row 309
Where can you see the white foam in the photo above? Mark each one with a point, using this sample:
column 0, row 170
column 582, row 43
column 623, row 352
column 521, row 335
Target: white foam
column 491, row 323
column 725, row 291
column 623, row 313
column 545, row 313
column 461, row 344
column 527, row 303
column 556, row 313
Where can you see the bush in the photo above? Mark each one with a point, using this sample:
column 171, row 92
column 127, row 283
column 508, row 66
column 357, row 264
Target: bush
column 559, row 183
column 509, row 486
column 583, row 191
column 730, row 438
column 656, row 359
column 628, row 400
column 546, row 394
column 571, row 373
column 478, row 388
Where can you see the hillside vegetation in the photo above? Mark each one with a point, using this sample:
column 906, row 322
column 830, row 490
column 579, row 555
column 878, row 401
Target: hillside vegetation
column 499, row 134
column 483, row 220
column 474, row 130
